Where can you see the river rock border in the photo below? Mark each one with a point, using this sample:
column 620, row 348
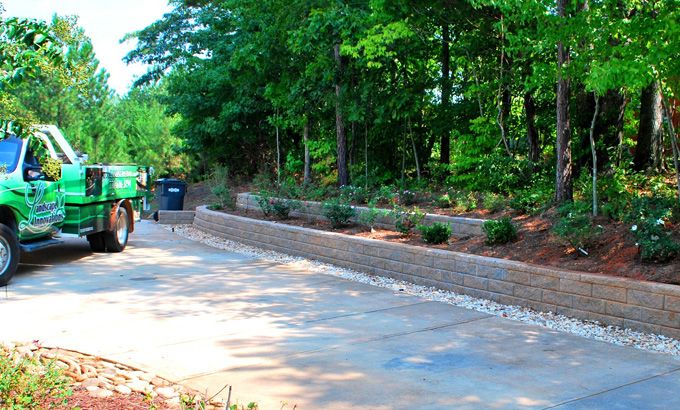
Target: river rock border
column 645, row 306
column 312, row 211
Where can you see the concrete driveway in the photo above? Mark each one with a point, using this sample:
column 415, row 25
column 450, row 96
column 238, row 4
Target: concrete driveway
column 282, row 336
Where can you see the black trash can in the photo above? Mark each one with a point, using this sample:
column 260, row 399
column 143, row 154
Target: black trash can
column 171, row 193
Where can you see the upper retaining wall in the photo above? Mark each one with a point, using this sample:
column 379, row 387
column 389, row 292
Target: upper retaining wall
column 175, row 217
column 646, row 306
column 312, row 211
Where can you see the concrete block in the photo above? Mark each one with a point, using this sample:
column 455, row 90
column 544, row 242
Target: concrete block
column 545, row 282
column 490, row 271
column 452, row 277
column 576, row 287
column 528, row 293
column 589, row 304
column 498, row 286
column 623, row 310
column 514, row 276
column 475, row 282
column 616, row 294
column 646, row 299
column 660, row 317
column 558, row 298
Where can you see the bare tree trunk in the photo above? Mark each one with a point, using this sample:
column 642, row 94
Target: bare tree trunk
column 593, row 151
column 415, row 152
column 674, row 141
column 343, row 171
column 308, row 166
column 444, row 157
column 649, row 131
column 366, row 152
column 278, row 157
column 619, row 129
column 532, row 132
column 503, row 94
column 564, row 189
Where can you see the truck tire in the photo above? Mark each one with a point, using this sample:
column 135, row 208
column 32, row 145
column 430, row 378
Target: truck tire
column 117, row 237
column 96, row 241
column 9, row 254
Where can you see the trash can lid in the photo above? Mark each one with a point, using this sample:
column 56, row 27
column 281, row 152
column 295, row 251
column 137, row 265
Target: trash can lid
column 170, row 181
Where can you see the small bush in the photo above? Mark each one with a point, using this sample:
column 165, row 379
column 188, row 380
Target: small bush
column 575, row 226
column 281, row 207
column 649, row 216
column 369, row 217
column 444, row 201
column 532, row 201
column 338, row 212
column 219, row 186
column 463, row 201
column 436, row 233
column 493, row 202
column 26, row 383
column 264, row 200
column 406, row 219
column 384, row 195
column 408, row 198
column 354, row 194
column 499, row 231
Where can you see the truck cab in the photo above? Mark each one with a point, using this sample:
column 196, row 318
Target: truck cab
column 58, row 193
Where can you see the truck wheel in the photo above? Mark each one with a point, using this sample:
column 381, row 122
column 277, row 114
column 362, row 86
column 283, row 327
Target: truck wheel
column 9, row 254
column 96, row 241
column 117, row 237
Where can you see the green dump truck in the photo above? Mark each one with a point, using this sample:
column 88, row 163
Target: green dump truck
column 38, row 208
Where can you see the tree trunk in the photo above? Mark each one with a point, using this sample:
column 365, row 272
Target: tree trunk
column 593, row 152
column 674, row 141
column 532, row 132
column 564, row 189
column 649, row 131
column 444, row 157
column 343, row 171
column 308, row 166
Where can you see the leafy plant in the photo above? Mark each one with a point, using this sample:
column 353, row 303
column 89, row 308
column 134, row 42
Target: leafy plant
column 338, row 212
column 499, row 231
column 575, row 226
column 407, row 197
column 654, row 241
column 264, row 200
column 384, row 195
column 444, row 201
column 369, row 217
column 405, row 219
column 281, row 208
column 26, row 383
column 436, row 233
column 532, row 201
column 354, row 194
column 493, row 202
column 463, row 201
column 219, row 186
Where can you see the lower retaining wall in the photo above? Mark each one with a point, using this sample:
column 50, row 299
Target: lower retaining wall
column 312, row 211
column 646, row 306
column 176, row 217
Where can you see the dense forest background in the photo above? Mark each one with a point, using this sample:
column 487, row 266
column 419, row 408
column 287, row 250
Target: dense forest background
column 526, row 97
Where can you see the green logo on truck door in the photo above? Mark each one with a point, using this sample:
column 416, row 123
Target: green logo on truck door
column 42, row 215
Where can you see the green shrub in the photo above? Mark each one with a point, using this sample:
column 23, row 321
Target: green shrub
column 436, row 233
column 264, row 200
column 648, row 216
column 26, row 383
column 219, row 186
column 444, row 201
column 406, row 219
column 369, row 217
column 532, row 201
column 281, row 207
column 384, row 195
column 493, row 202
column 499, row 231
column 463, row 201
column 575, row 226
column 338, row 212
column 354, row 194
column 407, row 197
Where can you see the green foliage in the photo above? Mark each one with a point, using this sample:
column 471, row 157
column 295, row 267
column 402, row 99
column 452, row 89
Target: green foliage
column 444, row 201
column 354, row 194
column 649, row 217
column 370, row 216
column 281, row 207
column 463, row 201
column 575, row 226
column 493, row 202
column 264, row 200
column 406, row 219
column 26, row 383
column 436, row 233
column 338, row 212
column 219, row 186
column 499, row 231
column 533, row 201
column 51, row 168
column 408, row 197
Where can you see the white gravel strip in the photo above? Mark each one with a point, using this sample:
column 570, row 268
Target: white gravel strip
column 589, row 329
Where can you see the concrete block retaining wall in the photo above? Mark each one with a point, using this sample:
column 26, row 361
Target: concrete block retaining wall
column 645, row 306
column 312, row 211
column 176, row 217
